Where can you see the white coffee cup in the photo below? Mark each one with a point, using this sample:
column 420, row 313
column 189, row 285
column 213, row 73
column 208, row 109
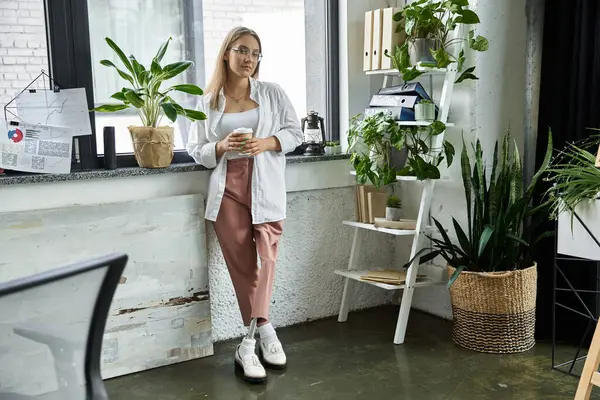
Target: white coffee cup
column 246, row 133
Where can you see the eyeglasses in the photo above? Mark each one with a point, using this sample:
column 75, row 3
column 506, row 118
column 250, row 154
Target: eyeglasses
column 255, row 55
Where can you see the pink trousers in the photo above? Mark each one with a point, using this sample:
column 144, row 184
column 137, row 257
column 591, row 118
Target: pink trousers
column 240, row 241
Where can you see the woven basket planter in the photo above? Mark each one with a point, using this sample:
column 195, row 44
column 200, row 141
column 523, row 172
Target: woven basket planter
column 494, row 312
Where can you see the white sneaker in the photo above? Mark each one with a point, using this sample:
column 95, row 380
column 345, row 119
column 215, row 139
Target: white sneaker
column 272, row 354
column 250, row 366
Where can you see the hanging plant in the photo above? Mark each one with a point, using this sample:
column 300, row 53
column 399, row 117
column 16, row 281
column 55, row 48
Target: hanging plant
column 372, row 139
column 436, row 20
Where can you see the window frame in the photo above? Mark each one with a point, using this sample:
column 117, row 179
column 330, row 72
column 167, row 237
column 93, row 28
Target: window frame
column 70, row 65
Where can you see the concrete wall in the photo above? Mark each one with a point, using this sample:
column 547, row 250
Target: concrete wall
column 314, row 243
column 160, row 313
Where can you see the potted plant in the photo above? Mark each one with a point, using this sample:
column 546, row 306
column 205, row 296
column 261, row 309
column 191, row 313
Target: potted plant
column 152, row 143
column 393, row 209
column 574, row 175
column 332, row 148
column 492, row 278
column 377, row 140
column 425, row 110
column 429, row 25
column 424, row 159
column 575, row 189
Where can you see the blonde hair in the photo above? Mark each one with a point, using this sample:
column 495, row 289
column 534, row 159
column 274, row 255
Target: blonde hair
column 219, row 76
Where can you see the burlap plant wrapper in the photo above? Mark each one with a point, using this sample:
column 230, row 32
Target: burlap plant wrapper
column 494, row 312
column 153, row 147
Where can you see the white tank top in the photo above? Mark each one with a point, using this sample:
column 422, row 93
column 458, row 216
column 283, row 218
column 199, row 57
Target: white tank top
column 232, row 121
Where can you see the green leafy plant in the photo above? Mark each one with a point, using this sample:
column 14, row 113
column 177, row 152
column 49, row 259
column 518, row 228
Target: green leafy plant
column 332, row 144
column 146, row 93
column 424, row 161
column 501, row 219
column 372, row 139
column 574, row 176
column 394, row 202
column 426, row 19
column 425, row 101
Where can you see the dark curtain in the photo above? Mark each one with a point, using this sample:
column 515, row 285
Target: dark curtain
column 569, row 104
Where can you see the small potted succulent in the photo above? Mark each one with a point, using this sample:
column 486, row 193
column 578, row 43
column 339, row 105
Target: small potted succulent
column 332, row 148
column 425, row 111
column 393, row 210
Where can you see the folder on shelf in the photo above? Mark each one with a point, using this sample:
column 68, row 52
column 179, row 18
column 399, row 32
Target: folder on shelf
column 408, row 89
column 376, row 203
column 384, row 100
column 389, row 37
column 398, row 113
column 368, row 42
column 357, row 202
column 363, row 205
column 377, row 31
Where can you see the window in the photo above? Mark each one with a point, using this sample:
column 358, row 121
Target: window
column 293, row 32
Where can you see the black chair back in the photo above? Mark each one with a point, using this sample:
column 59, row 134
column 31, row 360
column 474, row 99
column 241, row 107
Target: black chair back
column 51, row 329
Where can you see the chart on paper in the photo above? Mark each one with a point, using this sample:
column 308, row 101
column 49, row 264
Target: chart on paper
column 64, row 108
column 36, row 148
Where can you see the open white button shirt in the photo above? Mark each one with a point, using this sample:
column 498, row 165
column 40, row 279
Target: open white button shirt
column 276, row 118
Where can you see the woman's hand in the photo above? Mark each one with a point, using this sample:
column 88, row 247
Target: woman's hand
column 255, row 146
column 232, row 142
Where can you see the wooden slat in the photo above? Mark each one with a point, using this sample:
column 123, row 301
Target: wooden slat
column 596, row 379
column 590, row 376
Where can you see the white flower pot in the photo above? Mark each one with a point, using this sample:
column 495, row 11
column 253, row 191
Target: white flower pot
column 419, row 50
column 577, row 242
column 393, row 214
column 425, row 112
column 331, row 150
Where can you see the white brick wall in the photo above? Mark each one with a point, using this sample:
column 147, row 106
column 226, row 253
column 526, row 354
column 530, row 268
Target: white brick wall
column 23, row 52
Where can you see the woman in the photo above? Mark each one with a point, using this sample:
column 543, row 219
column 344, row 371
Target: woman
column 247, row 194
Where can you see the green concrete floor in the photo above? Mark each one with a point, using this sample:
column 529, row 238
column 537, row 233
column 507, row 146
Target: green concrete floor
column 357, row 360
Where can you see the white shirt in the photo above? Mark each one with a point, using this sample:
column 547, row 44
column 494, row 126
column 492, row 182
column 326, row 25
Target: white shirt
column 232, row 121
column 276, row 118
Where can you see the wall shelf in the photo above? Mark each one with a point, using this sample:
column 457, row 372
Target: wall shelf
column 407, row 178
column 421, row 123
column 356, row 275
column 412, row 282
column 395, row 72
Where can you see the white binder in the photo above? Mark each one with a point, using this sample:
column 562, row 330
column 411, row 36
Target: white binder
column 368, row 47
column 377, row 31
column 389, row 37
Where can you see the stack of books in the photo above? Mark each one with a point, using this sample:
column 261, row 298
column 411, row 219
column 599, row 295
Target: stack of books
column 370, row 203
column 390, row 277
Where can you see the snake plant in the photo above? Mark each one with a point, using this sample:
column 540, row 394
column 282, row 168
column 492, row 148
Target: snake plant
column 501, row 216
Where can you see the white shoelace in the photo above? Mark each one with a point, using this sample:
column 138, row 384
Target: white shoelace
column 251, row 360
column 275, row 348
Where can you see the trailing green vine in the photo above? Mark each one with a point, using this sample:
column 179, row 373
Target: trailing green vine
column 436, row 20
column 371, row 141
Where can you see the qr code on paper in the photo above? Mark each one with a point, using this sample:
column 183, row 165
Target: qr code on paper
column 37, row 162
column 9, row 159
column 30, row 146
column 54, row 149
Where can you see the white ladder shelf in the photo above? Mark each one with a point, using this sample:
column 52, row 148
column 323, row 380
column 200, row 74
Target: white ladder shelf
column 408, row 288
